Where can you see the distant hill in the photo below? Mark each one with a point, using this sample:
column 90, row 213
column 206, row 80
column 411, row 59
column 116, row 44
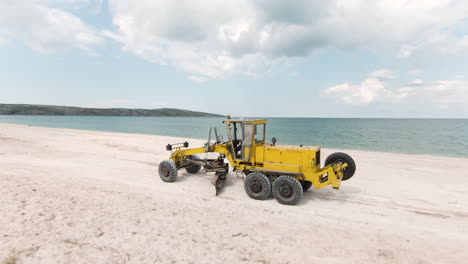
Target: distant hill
column 26, row 109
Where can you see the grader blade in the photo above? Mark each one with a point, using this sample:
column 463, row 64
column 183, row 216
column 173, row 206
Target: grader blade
column 218, row 181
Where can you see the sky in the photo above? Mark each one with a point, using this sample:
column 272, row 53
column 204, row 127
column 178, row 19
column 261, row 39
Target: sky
column 274, row 58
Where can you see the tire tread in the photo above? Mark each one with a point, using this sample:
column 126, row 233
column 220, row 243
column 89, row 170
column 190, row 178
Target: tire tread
column 297, row 186
column 172, row 169
column 265, row 179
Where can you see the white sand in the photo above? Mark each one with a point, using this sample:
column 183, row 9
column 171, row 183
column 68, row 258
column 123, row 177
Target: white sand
column 70, row 196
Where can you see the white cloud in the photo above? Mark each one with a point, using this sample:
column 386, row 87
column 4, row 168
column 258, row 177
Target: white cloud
column 417, row 82
column 445, row 94
column 368, row 91
column 214, row 38
column 382, row 74
column 45, row 28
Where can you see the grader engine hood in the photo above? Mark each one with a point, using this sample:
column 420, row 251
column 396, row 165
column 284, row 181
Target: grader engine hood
column 287, row 158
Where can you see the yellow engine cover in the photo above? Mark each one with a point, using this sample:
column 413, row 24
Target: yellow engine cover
column 292, row 159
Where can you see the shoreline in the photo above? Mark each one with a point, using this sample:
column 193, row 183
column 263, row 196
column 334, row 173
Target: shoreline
column 199, row 139
column 273, row 117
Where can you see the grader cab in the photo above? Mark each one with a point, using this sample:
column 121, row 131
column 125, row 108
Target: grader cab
column 284, row 171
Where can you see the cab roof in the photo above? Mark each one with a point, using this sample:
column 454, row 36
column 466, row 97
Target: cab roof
column 255, row 121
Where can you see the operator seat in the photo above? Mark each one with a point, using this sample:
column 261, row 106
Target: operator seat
column 237, row 148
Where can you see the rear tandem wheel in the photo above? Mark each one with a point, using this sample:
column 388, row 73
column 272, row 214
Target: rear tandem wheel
column 257, row 186
column 287, row 190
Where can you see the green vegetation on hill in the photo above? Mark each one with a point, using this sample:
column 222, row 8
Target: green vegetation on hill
column 26, row 109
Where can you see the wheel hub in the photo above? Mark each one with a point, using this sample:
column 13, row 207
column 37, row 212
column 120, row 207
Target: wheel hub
column 165, row 171
column 255, row 186
column 286, row 190
column 341, row 162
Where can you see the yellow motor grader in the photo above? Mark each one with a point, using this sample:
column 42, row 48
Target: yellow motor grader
column 285, row 171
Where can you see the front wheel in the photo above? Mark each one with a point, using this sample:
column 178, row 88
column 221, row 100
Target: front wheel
column 287, row 190
column 167, row 171
column 341, row 157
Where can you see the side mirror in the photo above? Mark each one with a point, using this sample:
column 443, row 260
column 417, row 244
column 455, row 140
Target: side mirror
column 273, row 140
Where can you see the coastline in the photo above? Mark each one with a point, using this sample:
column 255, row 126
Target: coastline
column 418, row 137
column 86, row 196
column 202, row 141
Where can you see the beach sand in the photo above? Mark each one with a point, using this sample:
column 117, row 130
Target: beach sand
column 73, row 196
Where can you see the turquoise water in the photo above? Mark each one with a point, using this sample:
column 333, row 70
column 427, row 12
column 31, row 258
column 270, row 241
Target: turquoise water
column 445, row 137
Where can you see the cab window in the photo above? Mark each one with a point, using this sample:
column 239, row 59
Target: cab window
column 236, row 130
column 259, row 133
column 248, row 133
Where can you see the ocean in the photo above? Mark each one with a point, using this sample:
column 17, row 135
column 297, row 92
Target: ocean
column 441, row 137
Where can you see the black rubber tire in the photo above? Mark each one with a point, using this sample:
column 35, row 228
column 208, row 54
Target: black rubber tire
column 306, row 185
column 194, row 168
column 287, row 190
column 344, row 158
column 167, row 171
column 257, row 186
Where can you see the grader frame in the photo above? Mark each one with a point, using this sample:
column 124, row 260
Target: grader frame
column 247, row 151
